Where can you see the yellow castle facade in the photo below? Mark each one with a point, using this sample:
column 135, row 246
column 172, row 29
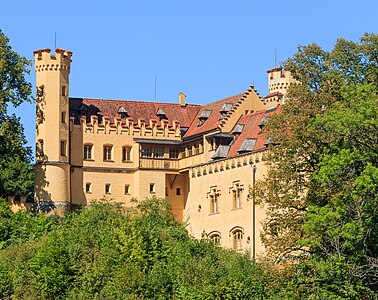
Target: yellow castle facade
column 204, row 159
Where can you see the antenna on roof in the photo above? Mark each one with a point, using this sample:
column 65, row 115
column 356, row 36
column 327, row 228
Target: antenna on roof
column 275, row 56
column 55, row 40
column 155, row 90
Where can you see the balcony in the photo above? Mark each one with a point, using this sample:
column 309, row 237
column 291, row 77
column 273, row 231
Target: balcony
column 158, row 163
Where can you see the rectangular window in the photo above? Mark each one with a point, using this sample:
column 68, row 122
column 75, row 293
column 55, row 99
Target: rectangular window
column 196, row 149
column 88, row 188
column 40, row 148
column 173, row 153
column 63, row 148
column 158, row 152
column 127, row 189
column 88, row 151
column 108, row 153
column 63, row 117
column 152, row 188
column 126, row 154
column 146, row 151
column 178, row 191
column 108, row 188
column 64, row 90
column 190, row 151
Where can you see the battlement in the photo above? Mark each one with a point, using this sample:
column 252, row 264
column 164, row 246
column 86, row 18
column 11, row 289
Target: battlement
column 45, row 61
column 138, row 128
column 279, row 80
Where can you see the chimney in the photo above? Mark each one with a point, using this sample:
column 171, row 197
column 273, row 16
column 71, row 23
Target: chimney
column 182, row 99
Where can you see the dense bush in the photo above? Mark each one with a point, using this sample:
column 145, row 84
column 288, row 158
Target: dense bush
column 108, row 253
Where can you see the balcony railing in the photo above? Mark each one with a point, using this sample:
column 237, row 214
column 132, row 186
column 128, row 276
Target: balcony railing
column 159, row 163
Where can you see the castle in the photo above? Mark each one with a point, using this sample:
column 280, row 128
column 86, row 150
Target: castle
column 202, row 158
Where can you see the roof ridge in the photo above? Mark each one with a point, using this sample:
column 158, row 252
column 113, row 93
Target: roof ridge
column 139, row 101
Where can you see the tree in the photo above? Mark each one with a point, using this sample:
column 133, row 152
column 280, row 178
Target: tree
column 322, row 188
column 107, row 252
column 16, row 173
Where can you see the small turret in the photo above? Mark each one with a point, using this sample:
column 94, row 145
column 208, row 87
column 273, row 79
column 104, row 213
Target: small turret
column 279, row 80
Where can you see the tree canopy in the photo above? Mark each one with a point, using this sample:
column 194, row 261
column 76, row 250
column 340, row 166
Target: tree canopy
column 322, row 187
column 106, row 252
column 16, row 174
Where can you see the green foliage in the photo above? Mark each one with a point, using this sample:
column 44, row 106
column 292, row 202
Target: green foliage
column 106, row 252
column 16, row 172
column 322, row 187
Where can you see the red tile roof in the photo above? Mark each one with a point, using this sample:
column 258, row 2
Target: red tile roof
column 213, row 121
column 274, row 94
column 251, row 130
column 136, row 109
column 279, row 68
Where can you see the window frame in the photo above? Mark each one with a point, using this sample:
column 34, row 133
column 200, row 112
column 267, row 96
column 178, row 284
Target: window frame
column 107, row 152
column 237, row 239
column 85, row 152
column 63, row 148
column 127, row 189
column 88, row 188
column 126, row 153
column 108, row 189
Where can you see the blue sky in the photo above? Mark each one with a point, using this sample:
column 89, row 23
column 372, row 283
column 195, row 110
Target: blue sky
column 207, row 49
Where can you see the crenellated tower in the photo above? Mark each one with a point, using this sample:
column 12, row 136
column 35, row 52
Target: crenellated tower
column 279, row 81
column 52, row 170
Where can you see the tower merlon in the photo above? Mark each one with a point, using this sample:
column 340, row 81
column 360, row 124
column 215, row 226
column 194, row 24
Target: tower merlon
column 44, row 60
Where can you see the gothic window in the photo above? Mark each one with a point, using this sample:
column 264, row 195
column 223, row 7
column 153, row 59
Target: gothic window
column 237, row 239
column 236, row 191
column 213, row 195
column 215, row 238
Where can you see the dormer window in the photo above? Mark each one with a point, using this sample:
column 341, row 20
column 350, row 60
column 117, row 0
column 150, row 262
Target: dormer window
column 247, row 146
column 122, row 112
column 161, row 114
column 263, row 122
column 237, row 130
column 225, row 109
column 204, row 116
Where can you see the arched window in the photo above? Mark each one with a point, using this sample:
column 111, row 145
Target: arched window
column 215, row 237
column 237, row 238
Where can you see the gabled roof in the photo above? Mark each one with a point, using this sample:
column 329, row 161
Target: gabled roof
column 251, row 138
column 213, row 120
column 136, row 109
